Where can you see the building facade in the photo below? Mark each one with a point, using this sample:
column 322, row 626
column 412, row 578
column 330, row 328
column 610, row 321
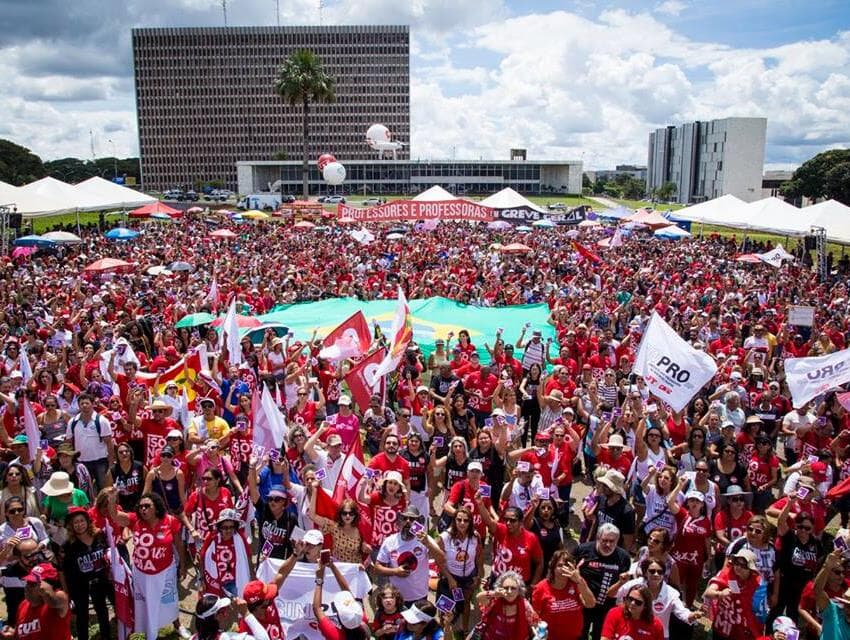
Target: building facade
column 205, row 97
column 409, row 177
column 708, row 159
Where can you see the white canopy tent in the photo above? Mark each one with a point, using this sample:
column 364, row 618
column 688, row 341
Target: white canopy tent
column 832, row 216
column 114, row 195
column 507, row 198
column 32, row 204
column 434, row 194
column 776, row 216
column 56, row 190
column 722, row 210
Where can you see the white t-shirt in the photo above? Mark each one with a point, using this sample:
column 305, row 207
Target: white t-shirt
column 460, row 554
column 667, row 602
column 331, row 467
column 87, row 437
column 521, row 496
column 794, row 421
column 395, row 551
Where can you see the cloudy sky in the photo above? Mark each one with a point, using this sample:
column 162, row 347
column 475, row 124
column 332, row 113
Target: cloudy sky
column 565, row 79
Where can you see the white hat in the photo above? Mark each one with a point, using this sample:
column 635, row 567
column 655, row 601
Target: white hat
column 58, row 485
column 413, row 615
column 314, row 536
column 229, row 515
column 394, row 476
column 221, row 603
column 174, row 433
column 616, row 440
column 344, row 400
column 422, row 388
column 735, row 375
column 696, row 495
column 749, row 557
column 474, row 466
column 348, row 610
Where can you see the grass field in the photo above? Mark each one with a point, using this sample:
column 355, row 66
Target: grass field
column 640, row 204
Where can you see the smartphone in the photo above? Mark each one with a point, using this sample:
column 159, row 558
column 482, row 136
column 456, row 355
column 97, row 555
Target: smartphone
column 325, row 556
column 438, row 441
column 484, row 489
column 268, row 547
column 43, row 445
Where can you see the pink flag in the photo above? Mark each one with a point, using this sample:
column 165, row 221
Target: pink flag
column 213, row 295
column 350, row 339
column 31, row 429
column 269, row 423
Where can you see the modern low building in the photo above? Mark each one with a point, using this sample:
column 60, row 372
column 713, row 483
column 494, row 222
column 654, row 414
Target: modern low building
column 631, row 170
column 461, row 177
column 205, row 97
column 708, row 159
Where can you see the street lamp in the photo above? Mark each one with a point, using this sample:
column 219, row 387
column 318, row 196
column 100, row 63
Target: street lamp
column 114, row 158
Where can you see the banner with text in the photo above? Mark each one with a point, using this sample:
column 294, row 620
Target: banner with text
column 411, row 210
column 808, row 378
column 674, row 371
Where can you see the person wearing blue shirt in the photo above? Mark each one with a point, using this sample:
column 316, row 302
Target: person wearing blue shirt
column 835, row 613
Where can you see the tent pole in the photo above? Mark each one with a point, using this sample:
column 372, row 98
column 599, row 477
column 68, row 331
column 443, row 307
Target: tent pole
column 78, row 222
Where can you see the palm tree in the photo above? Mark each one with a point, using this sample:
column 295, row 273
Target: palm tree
column 300, row 80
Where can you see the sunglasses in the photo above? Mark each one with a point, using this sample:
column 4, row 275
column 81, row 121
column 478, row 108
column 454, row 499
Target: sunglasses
column 276, row 499
column 347, row 513
column 145, row 506
column 655, row 572
column 511, row 519
column 13, row 512
column 634, row 601
column 755, row 530
column 166, row 455
column 736, row 499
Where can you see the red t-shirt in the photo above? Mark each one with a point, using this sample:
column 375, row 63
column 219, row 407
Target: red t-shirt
column 383, row 464
column 689, row 547
column 617, row 626
column 205, row 511
column 802, row 506
column 622, row 464
column 733, row 615
column 515, row 552
column 486, row 386
column 385, row 518
column 271, row 624
column 153, row 545
column 42, row 622
column 733, row 527
column 154, row 436
column 461, row 495
column 560, row 608
column 304, row 416
column 759, row 471
column 541, row 464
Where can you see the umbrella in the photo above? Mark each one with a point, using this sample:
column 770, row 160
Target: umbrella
column 253, row 214
column 304, row 224
column 394, row 236
column 157, row 207
column 259, row 333
column 523, row 228
column 159, row 215
column 33, row 241
column 62, row 237
column 180, row 266
column 194, row 320
column 345, row 220
column 588, row 223
column 159, row 270
column 671, row 233
column 515, row 247
column 194, row 210
column 499, row 225
column 243, row 322
column 107, row 264
column 23, row 252
column 223, row 233
column 545, row 223
column 573, row 233
column 121, row 233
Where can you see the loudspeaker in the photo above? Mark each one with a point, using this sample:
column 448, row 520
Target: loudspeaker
column 15, row 220
column 810, row 243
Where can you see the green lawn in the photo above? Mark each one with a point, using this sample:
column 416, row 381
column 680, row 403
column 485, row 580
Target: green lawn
column 640, row 204
column 42, row 225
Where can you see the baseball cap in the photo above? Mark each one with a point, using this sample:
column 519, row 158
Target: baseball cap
column 278, row 491
column 334, row 439
column 20, row 439
column 174, row 433
column 258, row 591
column 314, row 536
column 348, row 610
column 474, row 466
column 344, row 400
column 43, row 571
column 207, row 402
column 735, row 375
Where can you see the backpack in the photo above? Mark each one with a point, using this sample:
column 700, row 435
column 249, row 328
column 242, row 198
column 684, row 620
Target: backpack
column 95, row 417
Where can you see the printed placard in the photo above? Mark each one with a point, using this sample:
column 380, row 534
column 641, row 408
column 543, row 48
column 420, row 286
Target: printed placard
column 457, row 594
column 416, row 527
column 445, row 604
column 484, row 490
column 439, row 441
column 523, row 465
column 321, row 474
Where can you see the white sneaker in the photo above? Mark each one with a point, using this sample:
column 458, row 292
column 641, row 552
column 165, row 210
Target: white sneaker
column 184, row 633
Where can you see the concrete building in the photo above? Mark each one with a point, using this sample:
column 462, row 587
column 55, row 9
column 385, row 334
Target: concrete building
column 383, row 177
column 708, row 159
column 631, row 170
column 205, row 97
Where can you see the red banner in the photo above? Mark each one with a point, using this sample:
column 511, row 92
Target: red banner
column 357, row 379
column 411, row 210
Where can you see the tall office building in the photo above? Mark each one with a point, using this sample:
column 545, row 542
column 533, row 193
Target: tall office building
column 709, row 159
column 205, row 97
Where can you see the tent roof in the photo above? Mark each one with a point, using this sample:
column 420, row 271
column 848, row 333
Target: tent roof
column 115, row 195
column 52, row 188
column 32, row 204
column 507, row 198
column 832, row 216
column 776, row 216
column 717, row 211
column 434, row 194
column 649, row 218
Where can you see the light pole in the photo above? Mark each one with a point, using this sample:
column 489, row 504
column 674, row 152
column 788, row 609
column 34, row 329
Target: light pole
column 114, row 159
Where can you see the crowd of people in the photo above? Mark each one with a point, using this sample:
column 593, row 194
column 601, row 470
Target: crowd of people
column 531, row 488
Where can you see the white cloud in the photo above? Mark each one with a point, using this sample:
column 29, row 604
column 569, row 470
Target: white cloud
column 671, row 7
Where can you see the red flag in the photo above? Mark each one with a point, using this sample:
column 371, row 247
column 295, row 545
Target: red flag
column 586, row 253
column 839, row 490
column 350, row 339
column 353, row 470
column 358, row 378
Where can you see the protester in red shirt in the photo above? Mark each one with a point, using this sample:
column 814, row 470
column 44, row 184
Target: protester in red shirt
column 480, row 387
column 692, row 545
column 390, row 460
column 634, row 619
column 45, row 613
column 516, row 548
column 462, row 494
column 731, row 594
column 560, row 598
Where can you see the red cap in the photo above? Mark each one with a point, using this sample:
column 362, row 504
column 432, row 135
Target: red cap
column 818, row 471
column 77, row 511
column 43, row 571
column 43, row 334
column 257, row 591
column 171, row 351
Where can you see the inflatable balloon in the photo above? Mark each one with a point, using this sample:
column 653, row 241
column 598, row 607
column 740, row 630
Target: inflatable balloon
column 378, row 133
column 334, row 173
column 324, row 160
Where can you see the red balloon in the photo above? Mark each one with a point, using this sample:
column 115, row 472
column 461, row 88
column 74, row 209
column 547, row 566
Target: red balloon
column 324, row 160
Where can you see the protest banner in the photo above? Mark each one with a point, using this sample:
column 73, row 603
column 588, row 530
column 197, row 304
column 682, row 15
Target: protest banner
column 808, row 378
column 412, row 210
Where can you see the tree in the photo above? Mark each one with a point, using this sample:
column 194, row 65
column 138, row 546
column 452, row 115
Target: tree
column 19, row 165
column 811, row 179
column 838, row 183
column 301, row 80
column 666, row 191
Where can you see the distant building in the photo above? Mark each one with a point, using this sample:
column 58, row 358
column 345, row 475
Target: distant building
column 205, row 97
column 708, row 159
column 461, row 177
column 608, row 175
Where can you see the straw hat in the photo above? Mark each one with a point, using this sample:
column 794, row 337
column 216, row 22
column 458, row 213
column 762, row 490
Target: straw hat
column 614, row 480
column 616, row 440
column 58, row 485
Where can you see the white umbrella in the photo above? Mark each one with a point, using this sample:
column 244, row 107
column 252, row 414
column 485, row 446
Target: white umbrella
column 523, row 228
column 394, row 236
column 62, row 237
column 159, row 270
column 499, row 225
column 589, row 223
column 545, row 223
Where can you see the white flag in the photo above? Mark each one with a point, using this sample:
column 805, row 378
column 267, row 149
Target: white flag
column 31, row 429
column 363, row 236
column 775, row 257
column 212, row 296
column 269, row 424
column 808, row 378
column 616, row 239
column 673, row 370
column 401, row 334
column 25, row 368
column 230, row 335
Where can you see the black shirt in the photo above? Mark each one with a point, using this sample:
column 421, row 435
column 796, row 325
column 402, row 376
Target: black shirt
column 277, row 532
column 418, row 469
column 601, row 572
column 620, row 514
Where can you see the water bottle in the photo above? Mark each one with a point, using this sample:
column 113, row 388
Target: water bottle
column 541, row 631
